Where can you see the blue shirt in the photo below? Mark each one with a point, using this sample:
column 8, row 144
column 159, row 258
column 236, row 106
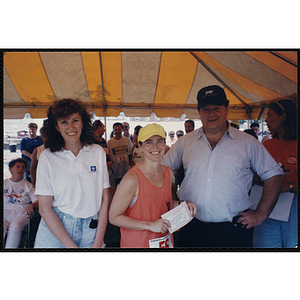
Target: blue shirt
column 29, row 145
column 219, row 180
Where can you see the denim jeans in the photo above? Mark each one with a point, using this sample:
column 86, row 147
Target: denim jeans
column 277, row 234
column 77, row 228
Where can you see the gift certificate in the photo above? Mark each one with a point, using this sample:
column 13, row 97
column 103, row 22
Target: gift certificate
column 178, row 217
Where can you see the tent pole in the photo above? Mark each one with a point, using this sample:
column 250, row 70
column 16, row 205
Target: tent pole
column 103, row 94
column 261, row 111
column 283, row 58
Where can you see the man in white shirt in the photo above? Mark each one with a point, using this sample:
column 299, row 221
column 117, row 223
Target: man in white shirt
column 219, row 162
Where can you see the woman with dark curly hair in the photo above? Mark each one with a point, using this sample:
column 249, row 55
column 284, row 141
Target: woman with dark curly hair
column 72, row 181
column 282, row 122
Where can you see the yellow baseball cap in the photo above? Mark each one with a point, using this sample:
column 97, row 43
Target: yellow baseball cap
column 149, row 130
column 235, row 122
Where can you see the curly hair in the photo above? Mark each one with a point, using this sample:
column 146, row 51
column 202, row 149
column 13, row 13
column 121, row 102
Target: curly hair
column 62, row 109
column 290, row 123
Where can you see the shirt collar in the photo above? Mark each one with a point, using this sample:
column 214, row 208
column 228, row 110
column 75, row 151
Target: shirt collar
column 85, row 148
column 230, row 131
column 200, row 132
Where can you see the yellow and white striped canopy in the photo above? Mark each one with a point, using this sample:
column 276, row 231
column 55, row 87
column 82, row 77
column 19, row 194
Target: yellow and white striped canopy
column 141, row 82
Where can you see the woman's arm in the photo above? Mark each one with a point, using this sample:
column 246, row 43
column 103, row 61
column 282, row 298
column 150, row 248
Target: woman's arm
column 102, row 220
column 127, row 189
column 53, row 222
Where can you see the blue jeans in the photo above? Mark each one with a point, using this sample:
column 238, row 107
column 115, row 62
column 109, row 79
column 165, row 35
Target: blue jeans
column 278, row 234
column 77, row 228
column 27, row 171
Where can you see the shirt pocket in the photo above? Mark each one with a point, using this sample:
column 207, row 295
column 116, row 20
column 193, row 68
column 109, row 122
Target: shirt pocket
column 231, row 165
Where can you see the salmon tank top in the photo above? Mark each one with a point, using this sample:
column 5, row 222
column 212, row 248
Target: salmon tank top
column 150, row 204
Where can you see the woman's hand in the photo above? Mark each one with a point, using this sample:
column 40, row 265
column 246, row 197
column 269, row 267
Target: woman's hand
column 95, row 245
column 160, row 225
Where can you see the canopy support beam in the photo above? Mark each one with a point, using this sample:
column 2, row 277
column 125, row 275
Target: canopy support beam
column 261, row 111
column 284, row 58
column 123, row 106
column 103, row 94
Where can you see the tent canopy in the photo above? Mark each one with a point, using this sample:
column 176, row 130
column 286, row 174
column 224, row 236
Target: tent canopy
column 141, row 82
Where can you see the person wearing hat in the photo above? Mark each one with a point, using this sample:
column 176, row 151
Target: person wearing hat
column 219, row 162
column 235, row 124
column 28, row 144
column 144, row 194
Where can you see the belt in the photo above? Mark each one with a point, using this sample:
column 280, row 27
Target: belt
column 214, row 223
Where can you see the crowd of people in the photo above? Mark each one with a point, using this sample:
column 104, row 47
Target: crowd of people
column 93, row 193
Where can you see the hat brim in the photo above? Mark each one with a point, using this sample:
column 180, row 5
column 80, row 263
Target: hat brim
column 148, row 136
column 213, row 101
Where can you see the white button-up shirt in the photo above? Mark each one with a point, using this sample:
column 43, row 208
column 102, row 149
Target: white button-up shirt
column 219, row 180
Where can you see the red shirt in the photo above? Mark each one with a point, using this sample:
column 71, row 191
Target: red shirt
column 150, row 204
column 284, row 152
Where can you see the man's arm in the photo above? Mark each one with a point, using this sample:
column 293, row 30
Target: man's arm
column 171, row 159
column 271, row 191
column 26, row 153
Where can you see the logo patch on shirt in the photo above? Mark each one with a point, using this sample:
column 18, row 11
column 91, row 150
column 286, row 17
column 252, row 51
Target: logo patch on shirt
column 93, row 168
column 292, row 160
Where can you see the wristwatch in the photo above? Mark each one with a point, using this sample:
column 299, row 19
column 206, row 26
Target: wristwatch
column 291, row 188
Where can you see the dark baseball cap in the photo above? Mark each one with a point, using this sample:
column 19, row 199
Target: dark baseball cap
column 212, row 94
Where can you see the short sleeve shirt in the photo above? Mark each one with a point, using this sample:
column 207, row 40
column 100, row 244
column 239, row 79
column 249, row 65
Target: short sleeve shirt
column 29, row 145
column 219, row 180
column 17, row 195
column 120, row 151
column 75, row 182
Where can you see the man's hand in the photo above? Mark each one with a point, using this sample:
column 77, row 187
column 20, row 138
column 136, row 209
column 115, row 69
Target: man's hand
column 192, row 208
column 250, row 218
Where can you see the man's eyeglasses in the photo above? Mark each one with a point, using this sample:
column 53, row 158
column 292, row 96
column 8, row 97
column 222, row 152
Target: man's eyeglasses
column 179, row 135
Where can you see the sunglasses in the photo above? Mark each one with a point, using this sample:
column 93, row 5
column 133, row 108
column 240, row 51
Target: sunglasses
column 179, row 135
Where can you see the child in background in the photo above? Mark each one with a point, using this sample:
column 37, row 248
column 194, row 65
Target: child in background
column 19, row 203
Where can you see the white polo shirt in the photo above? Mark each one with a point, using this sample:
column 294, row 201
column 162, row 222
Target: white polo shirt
column 75, row 182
